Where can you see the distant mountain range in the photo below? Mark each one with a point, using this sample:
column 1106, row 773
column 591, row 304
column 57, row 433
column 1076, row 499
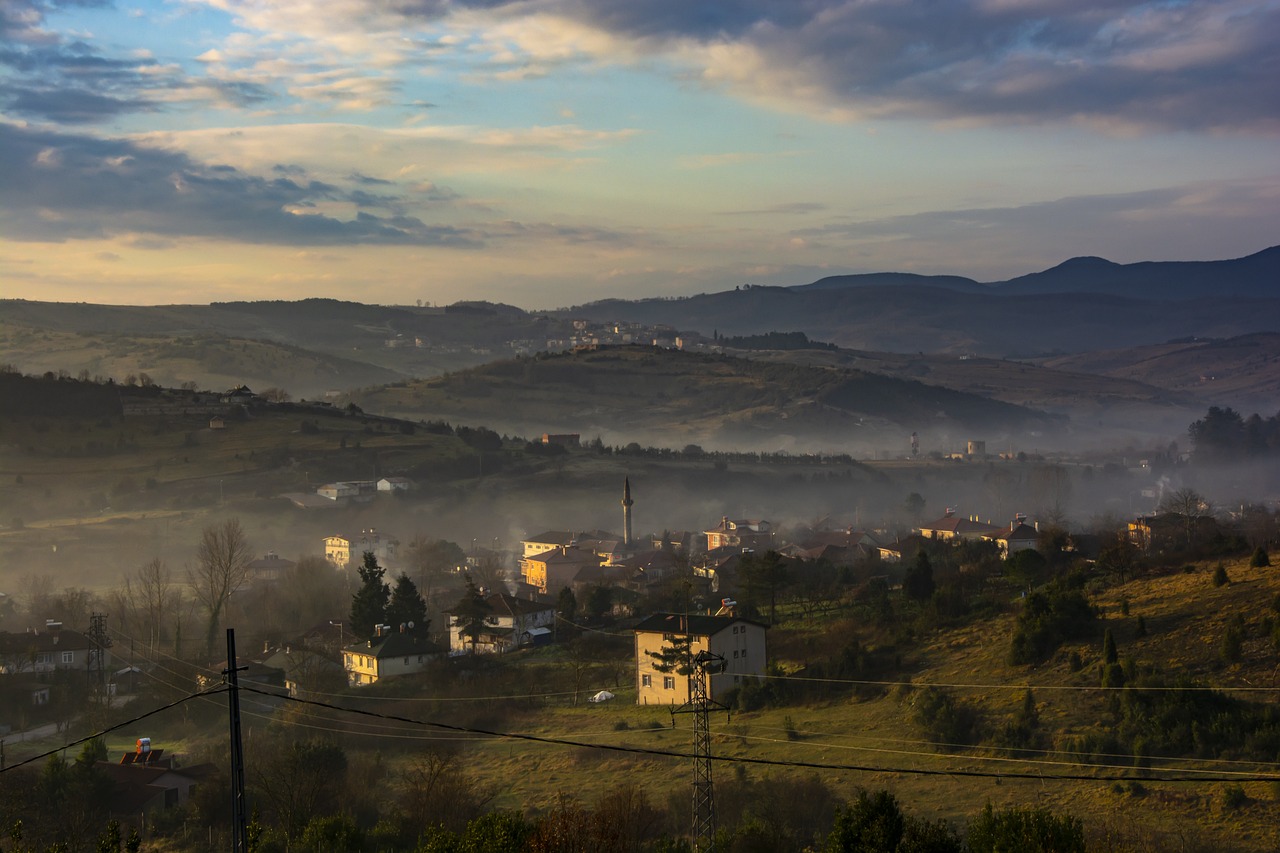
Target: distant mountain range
column 1081, row 305
column 1100, row 342
column 1254, row 277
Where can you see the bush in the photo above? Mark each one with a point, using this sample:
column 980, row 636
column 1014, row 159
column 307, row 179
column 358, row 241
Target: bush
column 1025, row 830
column 947, row 721
column 1048, row 619
column 1220, row 575
column 1234, row 797
column 1260, row 558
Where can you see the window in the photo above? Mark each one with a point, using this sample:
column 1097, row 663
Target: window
column 646, row 681
column 735, row 653
column 68, row 657
column 44, row 657
column 669, row 682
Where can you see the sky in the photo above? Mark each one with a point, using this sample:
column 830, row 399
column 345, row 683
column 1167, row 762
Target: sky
column 547, row 153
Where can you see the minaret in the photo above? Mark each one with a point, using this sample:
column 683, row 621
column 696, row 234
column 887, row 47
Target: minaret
column 626, row 512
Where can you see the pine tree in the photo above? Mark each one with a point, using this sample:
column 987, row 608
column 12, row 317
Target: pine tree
column 1109, row 653
column 566, row 604
column 472, row 614
column 406, row 607
column 369, row 604
column 917, row 583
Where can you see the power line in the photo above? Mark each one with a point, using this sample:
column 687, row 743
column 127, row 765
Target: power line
column 1006, row 686
column 203, row 694
column 810, row 765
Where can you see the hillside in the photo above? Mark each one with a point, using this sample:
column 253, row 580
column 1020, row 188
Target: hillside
column 932, row 319
column 672, row 398
column 207, row 360
column 1240, row 371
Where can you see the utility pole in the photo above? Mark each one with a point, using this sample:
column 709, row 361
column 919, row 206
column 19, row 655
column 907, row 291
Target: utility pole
column 99, row 642
column 701, row 667
column 239, row 814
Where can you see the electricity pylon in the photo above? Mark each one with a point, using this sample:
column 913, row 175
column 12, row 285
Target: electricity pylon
column 701, row 667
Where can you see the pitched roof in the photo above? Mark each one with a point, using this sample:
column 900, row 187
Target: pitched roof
column 552, row 537
column 395, row 645
column 698, row 624
column 502, row 604
column 1018, row 532
column 960, row 526
column 43, row 641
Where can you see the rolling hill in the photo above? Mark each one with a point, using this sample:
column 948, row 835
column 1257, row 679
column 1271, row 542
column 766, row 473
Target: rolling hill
column 674, row 397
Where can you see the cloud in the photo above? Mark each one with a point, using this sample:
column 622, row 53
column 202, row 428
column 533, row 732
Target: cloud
column 1124, row 227
column 63, row 186
column 51, row 77
column 1122, row 66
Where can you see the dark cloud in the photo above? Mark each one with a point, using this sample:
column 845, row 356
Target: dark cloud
column 68, row 106
column 51, row 78
column 799, row 207
column 1209, row 65
column 61, row 186
column 368, row 180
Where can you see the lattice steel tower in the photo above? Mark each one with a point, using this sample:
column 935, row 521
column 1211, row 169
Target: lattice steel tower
column 703, row 665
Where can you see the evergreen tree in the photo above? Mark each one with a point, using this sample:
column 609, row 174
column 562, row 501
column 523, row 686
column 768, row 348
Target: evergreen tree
column 1109, row 653
column 1260, row 559
column 567, row 604
column 406, row 606
column 472, row 614
column 369, row 604
column 917, row 583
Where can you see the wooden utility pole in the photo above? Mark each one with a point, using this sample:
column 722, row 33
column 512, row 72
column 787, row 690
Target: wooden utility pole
column 239, row 814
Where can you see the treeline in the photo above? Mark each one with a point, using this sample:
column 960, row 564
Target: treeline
column 1224, row 435
column 775, row 340
column 58, row 395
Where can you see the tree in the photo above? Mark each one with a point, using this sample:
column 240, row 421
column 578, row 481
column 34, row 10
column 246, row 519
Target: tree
column 147, row 596
column 222, row 567
column 914, row 505
column 431, row 559
column 407, row 607
column 1025, row 830
column 1191, row 507
column 875, row 823
column 1260, row 559
column 1109, row 653
column 599, row 602
column 566, row 604
column 917, row 583
column 472, row 614
column 763, row 575
column 300, row 780
column 369, row 604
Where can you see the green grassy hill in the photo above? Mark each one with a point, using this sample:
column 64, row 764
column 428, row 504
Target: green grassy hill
column 678, row 397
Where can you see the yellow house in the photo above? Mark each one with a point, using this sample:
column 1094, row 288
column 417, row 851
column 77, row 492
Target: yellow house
column 552, row 570
column 340, row 550
column 740, row 642
column 387, row 655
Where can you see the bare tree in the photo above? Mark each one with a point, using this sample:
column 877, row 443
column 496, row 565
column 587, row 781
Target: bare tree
column 145, row 600
column 222, row 566
column 1191, row 508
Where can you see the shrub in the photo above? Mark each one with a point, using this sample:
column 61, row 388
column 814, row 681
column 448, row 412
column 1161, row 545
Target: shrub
column 1048, row 619
column 1260, row 558
column 1220, row 575
column 1234, row 797
column 1025, row 830
column 948, row 721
